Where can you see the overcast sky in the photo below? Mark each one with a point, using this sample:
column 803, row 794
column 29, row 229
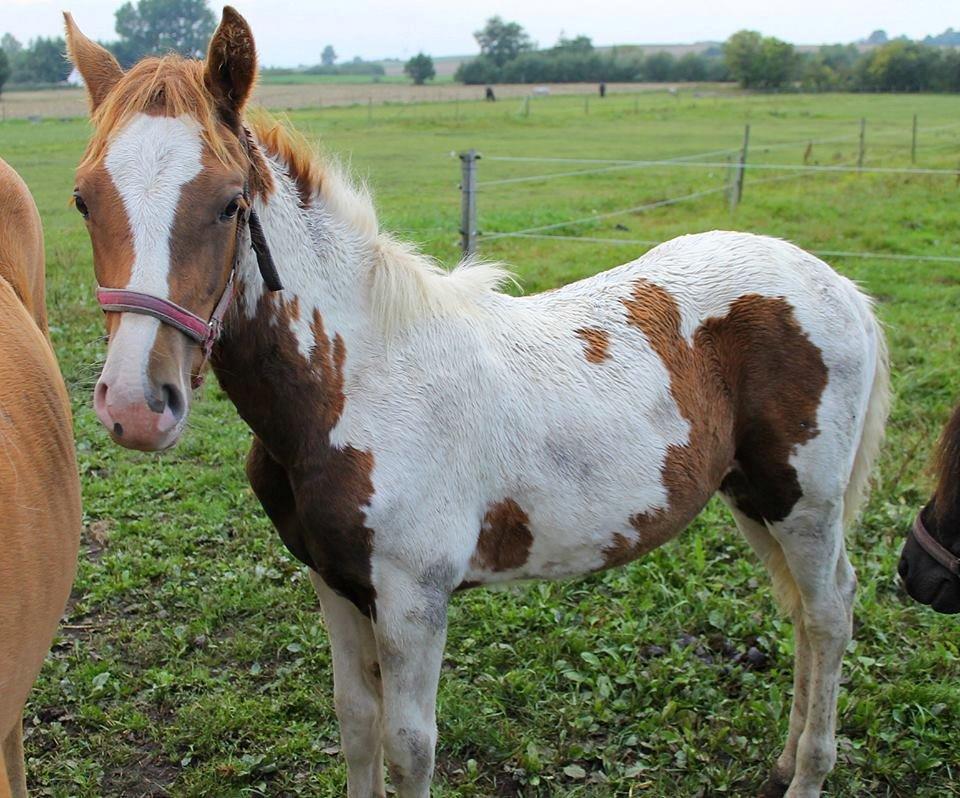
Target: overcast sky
column 290, row 32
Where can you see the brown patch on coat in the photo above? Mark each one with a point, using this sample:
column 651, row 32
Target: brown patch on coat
column 596, row 343
column 749, row 385
column 505, row 538
column 314, row 493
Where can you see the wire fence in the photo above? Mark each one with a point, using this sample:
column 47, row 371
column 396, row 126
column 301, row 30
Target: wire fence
column 735, row 166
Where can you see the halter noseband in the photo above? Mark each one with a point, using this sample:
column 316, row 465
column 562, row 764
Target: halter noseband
column 205, row 333
column 934, row 547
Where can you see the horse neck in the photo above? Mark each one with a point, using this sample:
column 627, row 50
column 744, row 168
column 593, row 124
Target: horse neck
column 282, row 356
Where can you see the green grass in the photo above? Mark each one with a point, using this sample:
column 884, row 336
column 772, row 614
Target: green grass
column 194, row 660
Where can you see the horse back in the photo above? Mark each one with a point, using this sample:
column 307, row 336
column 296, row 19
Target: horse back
column 21, row 244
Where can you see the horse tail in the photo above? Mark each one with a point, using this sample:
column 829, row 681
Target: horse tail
column 875, row 419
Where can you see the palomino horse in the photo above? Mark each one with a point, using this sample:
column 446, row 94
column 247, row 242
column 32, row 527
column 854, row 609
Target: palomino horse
column 39, row 487
column 930, row 560
column 418, row 431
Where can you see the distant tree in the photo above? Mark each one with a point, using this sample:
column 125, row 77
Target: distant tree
column 502, row 41
column 758, row 62
column 578, row 44
column 420, row 68
column 153, row 27
column 691, row 67
column 658, row 68
column 478, row 71
column 42, row 61
column 877, row 37
column 949, row 38
column 4, row 69
column 329, row 56
column 10, row 45
column 900, row 66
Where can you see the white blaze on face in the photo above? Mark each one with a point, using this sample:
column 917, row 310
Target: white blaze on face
column 150, row 162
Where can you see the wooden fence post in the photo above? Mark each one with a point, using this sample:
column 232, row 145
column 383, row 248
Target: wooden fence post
column 736, row 193
column 913, row 142
column 863, row 147
column 468, row 202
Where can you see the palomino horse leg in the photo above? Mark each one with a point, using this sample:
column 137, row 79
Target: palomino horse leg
column 356, row 691
column 13, row 757
column 771, row 555
column 826, row 583
column 411, row 631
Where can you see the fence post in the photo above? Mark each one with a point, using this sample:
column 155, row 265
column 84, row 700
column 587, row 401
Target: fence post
column 863, row 130
column 468, row 201
column 737, row 193
column 913, row 143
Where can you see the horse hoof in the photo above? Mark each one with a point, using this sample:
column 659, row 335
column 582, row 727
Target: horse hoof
column 774, row 787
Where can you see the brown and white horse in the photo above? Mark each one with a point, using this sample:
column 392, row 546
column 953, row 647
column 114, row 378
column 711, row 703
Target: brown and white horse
column 930, row 560
column 418, row 431
column 39, row 487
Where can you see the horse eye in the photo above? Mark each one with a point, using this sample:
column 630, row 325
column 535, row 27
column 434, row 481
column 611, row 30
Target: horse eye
column 81, row 206
column 231, row 210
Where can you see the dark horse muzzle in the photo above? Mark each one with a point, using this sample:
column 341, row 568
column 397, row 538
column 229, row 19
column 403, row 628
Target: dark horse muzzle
column 929, row 570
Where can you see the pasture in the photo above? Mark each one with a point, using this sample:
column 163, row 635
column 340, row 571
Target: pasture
column 193, row 659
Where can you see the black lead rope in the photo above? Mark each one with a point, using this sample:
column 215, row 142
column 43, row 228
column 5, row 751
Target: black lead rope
column 268, row 269
column 258, row 241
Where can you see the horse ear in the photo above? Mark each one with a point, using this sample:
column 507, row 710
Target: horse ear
column 231, row 65
column 97, row 66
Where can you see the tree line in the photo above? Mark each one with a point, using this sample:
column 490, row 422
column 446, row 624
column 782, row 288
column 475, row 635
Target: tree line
column 508, row 55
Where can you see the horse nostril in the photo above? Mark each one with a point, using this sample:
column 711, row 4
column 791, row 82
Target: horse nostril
column 118, row 429
column 174, row 400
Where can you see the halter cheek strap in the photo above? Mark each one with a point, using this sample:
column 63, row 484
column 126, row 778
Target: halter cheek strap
column 934, row 548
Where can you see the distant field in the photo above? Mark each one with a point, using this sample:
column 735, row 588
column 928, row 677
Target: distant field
column 288, row 92
column 194, row 661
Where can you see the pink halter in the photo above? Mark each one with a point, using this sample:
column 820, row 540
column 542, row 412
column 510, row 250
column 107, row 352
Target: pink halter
column 205, row 333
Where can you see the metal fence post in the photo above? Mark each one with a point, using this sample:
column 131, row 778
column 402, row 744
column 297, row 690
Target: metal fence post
column 863, row 131
column 913, row 142
column 468, row 201
column 737, row 194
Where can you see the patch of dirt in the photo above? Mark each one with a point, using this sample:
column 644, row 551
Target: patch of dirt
column 67, row 103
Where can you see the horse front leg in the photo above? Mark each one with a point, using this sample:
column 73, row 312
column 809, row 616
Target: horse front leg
column 411, row 630
column 356, row 691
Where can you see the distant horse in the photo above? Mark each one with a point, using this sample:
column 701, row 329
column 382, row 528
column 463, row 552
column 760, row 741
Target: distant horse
column 39, row 487
column 930, row 560
column 418, row 431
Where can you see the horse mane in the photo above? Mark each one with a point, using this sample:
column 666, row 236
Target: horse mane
column 405, row 284
column 168, row 85
column 947, row 464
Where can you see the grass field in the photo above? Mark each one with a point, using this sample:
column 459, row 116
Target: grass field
column 194, row 662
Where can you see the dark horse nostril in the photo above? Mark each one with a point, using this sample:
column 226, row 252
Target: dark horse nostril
column 174, row 400
column 118, row 429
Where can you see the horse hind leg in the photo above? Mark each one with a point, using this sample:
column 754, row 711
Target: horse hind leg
column 771, row 555
column 13, row 777
column 814, row 550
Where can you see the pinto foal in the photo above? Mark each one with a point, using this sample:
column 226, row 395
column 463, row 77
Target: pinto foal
column 39, row 487
column 416, row 432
